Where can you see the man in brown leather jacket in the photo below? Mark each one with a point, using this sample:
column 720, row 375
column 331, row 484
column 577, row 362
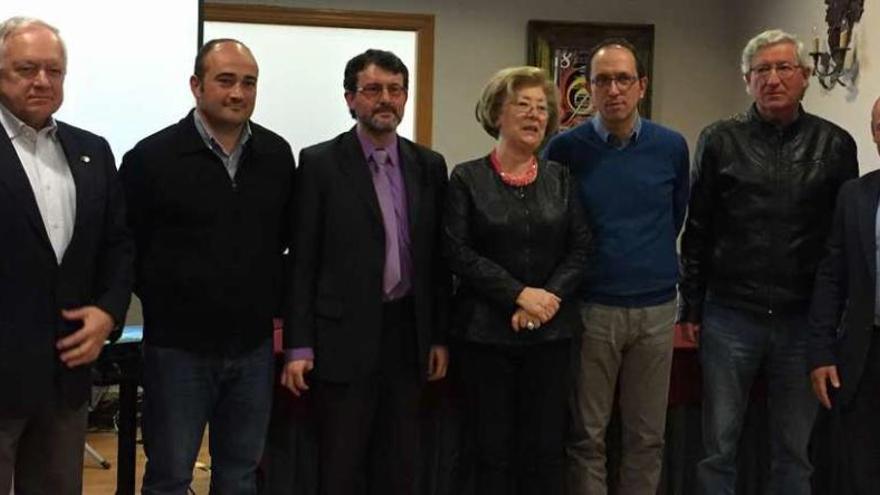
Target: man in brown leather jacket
column 764, row 186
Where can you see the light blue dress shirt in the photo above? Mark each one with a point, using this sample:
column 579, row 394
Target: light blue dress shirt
column 611, row 139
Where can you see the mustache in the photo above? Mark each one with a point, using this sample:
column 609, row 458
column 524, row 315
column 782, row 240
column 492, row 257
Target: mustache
column 386, row 108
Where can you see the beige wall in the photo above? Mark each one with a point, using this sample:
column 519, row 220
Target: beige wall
column 695, row 65
column 848, row 107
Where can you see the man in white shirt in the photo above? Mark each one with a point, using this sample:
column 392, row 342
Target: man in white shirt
column 65, row 265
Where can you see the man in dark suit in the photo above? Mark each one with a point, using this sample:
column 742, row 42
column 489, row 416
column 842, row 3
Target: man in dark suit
column 368, row 296
column 844, row 324
column 65, row 265
column 209, row 204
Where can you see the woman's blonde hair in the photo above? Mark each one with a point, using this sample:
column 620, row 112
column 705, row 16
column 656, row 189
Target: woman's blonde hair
column 503, row 86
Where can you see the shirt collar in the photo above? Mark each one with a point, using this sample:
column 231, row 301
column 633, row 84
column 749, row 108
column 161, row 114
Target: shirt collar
column 368, row 147
column 212, row 143
column 605, row 134
column 16, row 127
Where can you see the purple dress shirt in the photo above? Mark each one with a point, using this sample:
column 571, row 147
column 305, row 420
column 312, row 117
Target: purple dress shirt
column 391, row 194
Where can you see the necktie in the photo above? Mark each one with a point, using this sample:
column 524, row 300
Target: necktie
column 381, row 168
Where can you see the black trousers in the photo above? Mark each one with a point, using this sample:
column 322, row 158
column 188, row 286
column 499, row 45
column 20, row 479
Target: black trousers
column 859, row 426
column 368, row 429
column 517, row 410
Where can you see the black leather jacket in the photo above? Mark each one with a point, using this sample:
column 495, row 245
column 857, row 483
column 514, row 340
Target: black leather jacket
column 500, row 239
column 760, row 211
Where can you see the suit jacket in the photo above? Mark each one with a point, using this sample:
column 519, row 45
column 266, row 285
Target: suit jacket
column 339, row 254
column 34, row 287
column 842, row 312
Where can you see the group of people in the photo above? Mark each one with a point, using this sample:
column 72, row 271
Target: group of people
column 550, row 262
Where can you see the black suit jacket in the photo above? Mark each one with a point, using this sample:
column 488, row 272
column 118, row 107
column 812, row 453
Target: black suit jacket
column 96, row 270
column 339, row 255
column 842, row 313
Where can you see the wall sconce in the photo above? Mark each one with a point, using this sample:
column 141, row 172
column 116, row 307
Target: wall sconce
column 837, row 63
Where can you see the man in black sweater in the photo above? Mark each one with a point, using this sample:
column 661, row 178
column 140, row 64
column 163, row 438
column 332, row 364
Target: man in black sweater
column 209, row 200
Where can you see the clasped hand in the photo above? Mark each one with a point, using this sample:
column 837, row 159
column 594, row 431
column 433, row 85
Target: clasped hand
column 536, row 306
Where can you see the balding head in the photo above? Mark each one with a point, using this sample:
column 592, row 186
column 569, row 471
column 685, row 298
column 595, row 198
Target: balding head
column 225, row 85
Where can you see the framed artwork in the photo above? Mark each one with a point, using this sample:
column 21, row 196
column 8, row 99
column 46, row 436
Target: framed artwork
column 562, row 49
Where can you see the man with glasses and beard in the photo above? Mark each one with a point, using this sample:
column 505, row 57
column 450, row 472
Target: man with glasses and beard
column 368, row 295
column 764, row 188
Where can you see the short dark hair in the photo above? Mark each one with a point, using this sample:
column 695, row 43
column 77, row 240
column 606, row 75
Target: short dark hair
column 618, row 42
column 380, row 58
column 199, row 65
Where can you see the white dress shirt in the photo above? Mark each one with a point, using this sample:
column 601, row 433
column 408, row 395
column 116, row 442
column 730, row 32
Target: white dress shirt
column 45, row 165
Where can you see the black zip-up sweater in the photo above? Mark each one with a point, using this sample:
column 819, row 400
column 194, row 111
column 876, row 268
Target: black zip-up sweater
column 209, row 248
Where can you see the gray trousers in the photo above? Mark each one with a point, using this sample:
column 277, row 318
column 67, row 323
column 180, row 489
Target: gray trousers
column 630, row 348
column 43, row 452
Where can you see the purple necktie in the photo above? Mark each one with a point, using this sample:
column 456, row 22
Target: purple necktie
column 382, row 182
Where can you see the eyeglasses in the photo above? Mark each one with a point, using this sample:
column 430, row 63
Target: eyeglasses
column 623, row 81
column 783, row 71
column 373, row 91
column 523, row 108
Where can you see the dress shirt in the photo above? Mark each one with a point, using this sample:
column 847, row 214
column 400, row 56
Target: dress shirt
column 47, row 170
column 611, row 139
column 398, row 199
column 230, row 160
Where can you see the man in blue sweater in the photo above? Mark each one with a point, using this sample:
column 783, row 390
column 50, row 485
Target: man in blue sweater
column 633, row 177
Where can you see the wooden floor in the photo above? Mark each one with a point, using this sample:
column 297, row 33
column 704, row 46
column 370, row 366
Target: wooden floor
column 99, row 481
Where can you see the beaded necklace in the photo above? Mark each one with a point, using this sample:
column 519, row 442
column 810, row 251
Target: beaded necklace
column 515, row 180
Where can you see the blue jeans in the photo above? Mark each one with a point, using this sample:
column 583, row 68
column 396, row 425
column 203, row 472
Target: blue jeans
column 734, row 344
column 184, row 391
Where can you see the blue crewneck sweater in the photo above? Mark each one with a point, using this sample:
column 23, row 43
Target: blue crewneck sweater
column 635, row 199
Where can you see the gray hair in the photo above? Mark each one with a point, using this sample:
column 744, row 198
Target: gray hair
column 13, row 25
column 773, row 37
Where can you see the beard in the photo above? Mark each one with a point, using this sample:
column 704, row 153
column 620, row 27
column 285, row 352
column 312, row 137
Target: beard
column 375, row 124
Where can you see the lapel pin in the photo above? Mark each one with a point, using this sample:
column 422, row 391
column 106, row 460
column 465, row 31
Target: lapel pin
column 85, row 159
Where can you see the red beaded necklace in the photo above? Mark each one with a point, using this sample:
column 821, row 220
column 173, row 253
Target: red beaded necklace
column 515, row 180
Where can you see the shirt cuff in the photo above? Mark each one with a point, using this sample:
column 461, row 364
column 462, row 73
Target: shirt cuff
column 298, row 353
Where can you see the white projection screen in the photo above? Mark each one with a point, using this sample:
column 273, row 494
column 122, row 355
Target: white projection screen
column 129, row 62
column 300, row 94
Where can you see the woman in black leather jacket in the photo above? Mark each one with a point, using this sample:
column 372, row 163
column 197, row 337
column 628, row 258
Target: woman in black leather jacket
column 516, row 239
